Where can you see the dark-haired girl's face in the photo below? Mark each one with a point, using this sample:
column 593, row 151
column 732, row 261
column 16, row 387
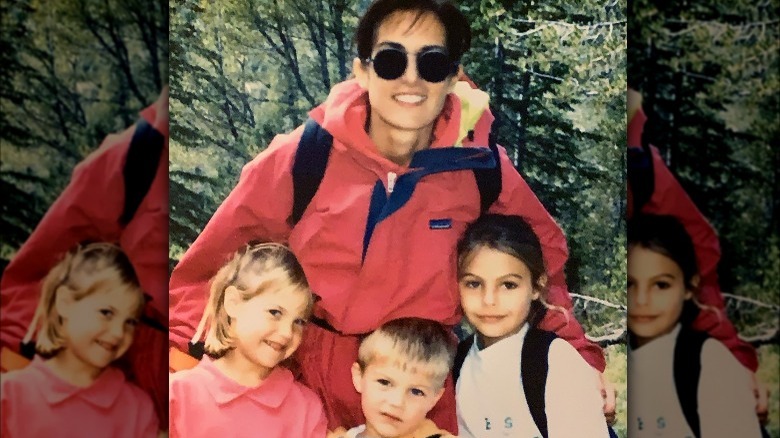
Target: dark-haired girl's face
column 656, row 293
column 496, row 291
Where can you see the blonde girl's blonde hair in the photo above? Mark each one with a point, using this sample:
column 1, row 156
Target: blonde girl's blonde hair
column 510, row 235
column 255, row 269
column 83, row 271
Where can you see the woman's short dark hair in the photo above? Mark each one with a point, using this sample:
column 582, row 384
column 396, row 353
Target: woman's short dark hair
column 456, row 26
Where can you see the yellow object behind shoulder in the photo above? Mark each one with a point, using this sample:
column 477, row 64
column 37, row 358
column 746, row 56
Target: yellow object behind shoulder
column 473, row 103
column 11, row 360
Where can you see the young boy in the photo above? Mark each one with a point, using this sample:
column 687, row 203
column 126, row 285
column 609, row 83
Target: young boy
column 400, row 374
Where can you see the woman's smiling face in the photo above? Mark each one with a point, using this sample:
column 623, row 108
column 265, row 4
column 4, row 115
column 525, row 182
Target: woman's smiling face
column 408, row 103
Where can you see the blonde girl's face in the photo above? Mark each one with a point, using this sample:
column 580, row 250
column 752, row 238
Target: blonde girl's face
column 656, row 294
column 267, row 328
column 496, row 291
column 99, row 328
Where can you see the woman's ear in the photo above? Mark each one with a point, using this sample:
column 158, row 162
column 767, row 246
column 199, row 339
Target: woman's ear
column 454, row 79
column 360, row 70
column 232, row 301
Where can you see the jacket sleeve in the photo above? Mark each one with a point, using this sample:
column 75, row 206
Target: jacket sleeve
column 517, row 198
column 256, row 209
column 669, row 198
column 88, row 209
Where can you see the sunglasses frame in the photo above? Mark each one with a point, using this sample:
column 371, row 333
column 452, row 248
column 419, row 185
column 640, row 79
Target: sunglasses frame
column 418, row 56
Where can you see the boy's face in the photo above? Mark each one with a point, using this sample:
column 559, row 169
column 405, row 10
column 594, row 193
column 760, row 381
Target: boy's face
column 394, row 401
column 408, row 103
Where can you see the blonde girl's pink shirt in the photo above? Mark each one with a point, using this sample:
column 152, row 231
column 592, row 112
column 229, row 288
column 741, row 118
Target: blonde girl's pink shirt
column 38, row 403
column 206, row 403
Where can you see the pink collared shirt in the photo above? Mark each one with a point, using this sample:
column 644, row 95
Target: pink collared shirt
column 38, row 403
column 206, row 403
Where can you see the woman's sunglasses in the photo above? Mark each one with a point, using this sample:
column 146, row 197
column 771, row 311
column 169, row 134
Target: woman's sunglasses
column 433, row 64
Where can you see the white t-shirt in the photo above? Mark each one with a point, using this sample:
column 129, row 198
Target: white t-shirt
column 726, row 402
column 491, row 401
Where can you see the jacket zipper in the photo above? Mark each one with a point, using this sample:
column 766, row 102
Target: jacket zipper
column 391, row 177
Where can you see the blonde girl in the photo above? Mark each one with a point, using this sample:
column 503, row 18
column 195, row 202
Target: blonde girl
column 258, row 307
column 89, row 307
column 501, row 390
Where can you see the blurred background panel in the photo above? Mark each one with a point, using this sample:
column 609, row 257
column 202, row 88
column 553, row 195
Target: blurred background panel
column 709, row 73
column 73, row 72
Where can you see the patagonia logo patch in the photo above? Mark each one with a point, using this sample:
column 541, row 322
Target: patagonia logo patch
column 440, row 224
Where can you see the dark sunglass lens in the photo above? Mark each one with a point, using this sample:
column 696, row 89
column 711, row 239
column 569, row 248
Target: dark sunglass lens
column 434, row 66
column 390, row 64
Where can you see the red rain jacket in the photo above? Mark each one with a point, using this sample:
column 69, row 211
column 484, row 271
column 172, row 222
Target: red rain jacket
column 89, row 209
column 669, row 198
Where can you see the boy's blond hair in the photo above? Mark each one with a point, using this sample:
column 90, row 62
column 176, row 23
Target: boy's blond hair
column 83, row 271
column 420, row 344
column 255, row 269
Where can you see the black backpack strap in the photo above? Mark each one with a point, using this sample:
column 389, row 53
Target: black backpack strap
column 27, row 349
column 460, row 357
column 197, row 349
column 534, row 367
column 489, row 180
column 311, row 159
column 687, row 370
column 640, row 175
column 141, row 162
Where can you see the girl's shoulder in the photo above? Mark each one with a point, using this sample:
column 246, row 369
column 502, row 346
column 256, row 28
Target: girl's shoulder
column 31, row 376
column 131, row 391
column 13, row 381
column 188, row 379
column 306, row 394
column 562, row 350
column 716, row 356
